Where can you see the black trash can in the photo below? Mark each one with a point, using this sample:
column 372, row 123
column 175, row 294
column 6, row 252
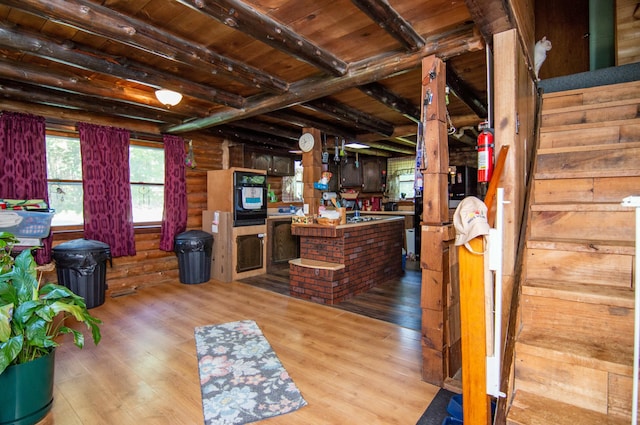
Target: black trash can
column 81, row 265
column 193, row 249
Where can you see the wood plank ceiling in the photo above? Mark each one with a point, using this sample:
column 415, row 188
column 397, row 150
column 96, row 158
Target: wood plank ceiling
column 253, row 71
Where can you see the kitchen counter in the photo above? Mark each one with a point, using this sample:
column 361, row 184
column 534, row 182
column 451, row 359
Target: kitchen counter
column 338, row 262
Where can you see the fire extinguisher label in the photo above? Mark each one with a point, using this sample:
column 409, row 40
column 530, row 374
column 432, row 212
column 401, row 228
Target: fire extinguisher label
column 483, row 160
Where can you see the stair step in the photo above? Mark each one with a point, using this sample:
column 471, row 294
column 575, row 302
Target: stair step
column 626, row 109
column 588, row 189
column 581, row 292
column 586, row 96
column 589, row 354
column 584, row 245
column 590, row 266
column 583, row 207
column 595, row 221
column 618, row 159
column 562, row 317
column 531, row 409
column 617, row 131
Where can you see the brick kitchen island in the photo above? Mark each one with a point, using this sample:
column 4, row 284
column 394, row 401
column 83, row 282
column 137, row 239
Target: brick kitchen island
column 338, row 262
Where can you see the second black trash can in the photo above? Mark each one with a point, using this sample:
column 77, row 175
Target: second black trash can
column 81, row 265
column 193, row 249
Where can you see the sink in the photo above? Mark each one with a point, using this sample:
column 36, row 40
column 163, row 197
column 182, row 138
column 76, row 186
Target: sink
column 362, row 219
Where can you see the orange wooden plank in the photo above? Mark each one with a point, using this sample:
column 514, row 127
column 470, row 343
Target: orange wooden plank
column 476, row 406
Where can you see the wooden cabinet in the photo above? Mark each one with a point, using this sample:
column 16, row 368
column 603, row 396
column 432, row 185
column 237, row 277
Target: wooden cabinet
column 283, row 246
column 350, row 175
column 334, row 169
column 274, row 165
column 282, row 166
column 367, row 176
column 372, row 177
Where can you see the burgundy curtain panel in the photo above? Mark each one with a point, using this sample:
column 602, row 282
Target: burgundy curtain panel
column 23, row 164
column 108, row 215
column 174, row 216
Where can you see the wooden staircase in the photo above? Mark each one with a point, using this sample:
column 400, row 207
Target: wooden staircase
column 574, row 348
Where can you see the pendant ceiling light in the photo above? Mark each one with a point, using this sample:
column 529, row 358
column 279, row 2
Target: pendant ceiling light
column 168, row 97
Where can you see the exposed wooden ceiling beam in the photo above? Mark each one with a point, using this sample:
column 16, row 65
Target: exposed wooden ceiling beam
column 491, row 16
column 391, row 100
column 23, row 92
column 386, row 17
column 350, row 116
column 464, row 93
column 75, row 56
column 246, row 136
column 82, row 85
column 302, row 120
column 240, row 16
column 55, row 114
column 454, row 43
column 93, row 18
column 388, row 148
column 268, row 128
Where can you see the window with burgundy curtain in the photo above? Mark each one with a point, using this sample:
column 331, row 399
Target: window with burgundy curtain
column 174, row 216
column 23, row 164
column 106, row 187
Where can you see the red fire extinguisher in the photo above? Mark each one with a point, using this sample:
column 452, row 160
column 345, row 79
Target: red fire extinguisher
column 485, row 155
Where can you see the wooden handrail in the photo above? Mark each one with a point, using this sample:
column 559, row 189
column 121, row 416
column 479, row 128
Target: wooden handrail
column 490, row 197
column 473, row 324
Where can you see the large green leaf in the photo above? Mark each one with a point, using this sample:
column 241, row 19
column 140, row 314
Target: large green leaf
column 6, row 311
column 78, row 337
column 9, row 350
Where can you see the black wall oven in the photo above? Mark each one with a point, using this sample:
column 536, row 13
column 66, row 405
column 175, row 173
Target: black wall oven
column 249, row 198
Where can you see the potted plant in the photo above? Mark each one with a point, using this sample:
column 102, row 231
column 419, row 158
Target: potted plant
column 32, row 317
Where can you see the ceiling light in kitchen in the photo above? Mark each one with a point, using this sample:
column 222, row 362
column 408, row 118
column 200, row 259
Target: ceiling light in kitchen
column 168, row 97
column 355, row 145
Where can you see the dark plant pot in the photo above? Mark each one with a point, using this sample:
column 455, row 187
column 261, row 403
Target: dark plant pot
column 26, row 391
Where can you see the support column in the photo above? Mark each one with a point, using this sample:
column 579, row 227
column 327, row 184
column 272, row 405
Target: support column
column 439, row 301
column 312, row 165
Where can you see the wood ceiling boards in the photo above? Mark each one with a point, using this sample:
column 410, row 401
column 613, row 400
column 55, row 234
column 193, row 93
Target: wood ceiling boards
column 251, row 71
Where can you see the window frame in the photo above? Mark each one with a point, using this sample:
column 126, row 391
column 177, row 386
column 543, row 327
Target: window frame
column 133, row 141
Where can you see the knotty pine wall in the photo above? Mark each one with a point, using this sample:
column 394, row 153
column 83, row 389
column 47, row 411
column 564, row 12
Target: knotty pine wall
column 151, row 266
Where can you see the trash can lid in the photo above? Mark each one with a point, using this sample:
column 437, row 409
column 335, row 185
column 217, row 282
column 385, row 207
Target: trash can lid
column 81, row 245
column 193, row 235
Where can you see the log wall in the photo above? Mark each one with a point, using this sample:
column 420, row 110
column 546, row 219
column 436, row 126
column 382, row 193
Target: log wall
column 151, row 266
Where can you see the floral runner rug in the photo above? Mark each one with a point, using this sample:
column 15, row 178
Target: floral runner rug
column 241, row 378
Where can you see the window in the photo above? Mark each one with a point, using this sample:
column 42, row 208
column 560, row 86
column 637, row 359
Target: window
column 146, row 165
column 64, row 171
column 401, row 177
column 292, row 186
column 64, row 174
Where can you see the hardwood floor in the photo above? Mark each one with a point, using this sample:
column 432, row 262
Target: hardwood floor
column 396, row 301
column 350, row 368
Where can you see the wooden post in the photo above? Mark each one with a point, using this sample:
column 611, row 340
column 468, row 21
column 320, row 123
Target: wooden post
column 312, row 165
column 436, row 233
column 476, row 406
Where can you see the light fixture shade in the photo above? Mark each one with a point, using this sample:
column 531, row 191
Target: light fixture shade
column 168, row 97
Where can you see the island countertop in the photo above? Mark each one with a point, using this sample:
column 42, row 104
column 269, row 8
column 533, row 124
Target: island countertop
column 333, row 231
column 337, row 262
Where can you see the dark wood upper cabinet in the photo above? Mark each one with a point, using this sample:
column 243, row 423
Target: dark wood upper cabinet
column 350, row 175
column 274, row 165
column 372, row 176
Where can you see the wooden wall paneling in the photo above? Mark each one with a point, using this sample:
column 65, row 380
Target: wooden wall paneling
column 514, row 112
column 627, row 32
column 524, row 15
